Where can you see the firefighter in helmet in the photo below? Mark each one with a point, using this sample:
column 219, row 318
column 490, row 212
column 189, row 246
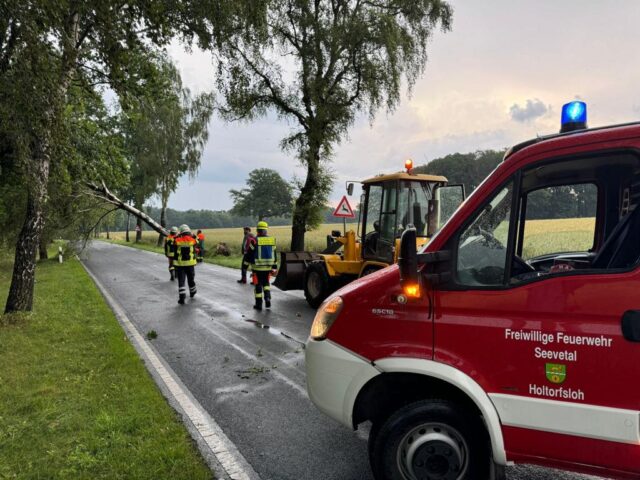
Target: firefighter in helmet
column 169, row 251
column 262, row 256
column 185, row 261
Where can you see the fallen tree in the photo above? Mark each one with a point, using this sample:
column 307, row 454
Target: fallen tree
column 103, row 193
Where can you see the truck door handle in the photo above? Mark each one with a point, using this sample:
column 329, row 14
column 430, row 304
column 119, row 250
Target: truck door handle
column 631, row 325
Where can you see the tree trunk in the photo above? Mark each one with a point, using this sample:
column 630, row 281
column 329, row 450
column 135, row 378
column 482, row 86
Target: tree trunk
column 304, row 202
column 126, row 235
column 163, row 222
column 108, row 232
column 22, row 281
column 44, row 255
column 138, row 230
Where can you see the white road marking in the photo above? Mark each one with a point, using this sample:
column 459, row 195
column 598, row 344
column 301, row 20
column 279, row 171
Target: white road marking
column 225, row 452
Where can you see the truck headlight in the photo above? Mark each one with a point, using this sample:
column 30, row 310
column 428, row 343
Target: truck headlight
column 325, row 317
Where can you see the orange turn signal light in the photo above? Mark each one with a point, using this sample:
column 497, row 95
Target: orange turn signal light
column 412, row 290
column 333, row 306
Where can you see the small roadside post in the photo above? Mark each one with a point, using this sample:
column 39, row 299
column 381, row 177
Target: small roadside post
column 60, row 254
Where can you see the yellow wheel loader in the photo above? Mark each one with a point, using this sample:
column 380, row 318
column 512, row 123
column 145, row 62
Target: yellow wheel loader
column 389, row 204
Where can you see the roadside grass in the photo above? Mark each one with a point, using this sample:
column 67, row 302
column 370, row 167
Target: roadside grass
column 75, row 399
column 315, row 241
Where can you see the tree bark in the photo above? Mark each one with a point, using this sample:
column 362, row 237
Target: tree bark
column 22, row 281
column 304, row 202
column 126, row 235
column 23, row 278
column 138, row 230
column 44, row 255
column 163, row 222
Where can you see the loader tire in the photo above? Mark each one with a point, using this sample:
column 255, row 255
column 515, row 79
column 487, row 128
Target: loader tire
column 317, row 285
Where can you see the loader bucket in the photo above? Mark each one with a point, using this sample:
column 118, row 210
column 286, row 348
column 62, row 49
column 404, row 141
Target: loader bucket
column 291, row 269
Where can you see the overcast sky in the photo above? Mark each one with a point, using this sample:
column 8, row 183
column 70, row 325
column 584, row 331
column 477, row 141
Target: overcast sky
column 498, row 78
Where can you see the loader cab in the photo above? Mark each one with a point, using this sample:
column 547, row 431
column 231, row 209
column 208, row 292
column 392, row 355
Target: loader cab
column 394, row 203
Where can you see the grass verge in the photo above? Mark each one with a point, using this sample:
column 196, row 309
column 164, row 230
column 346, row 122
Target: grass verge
column 75, row 399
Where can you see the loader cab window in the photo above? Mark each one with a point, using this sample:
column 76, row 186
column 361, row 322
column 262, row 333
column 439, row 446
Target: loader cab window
column 381, row 227
column 371, row 228
column 413, row 207
column 387, row 238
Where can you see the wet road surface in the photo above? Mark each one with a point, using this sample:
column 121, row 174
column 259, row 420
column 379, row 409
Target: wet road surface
column 250, row 379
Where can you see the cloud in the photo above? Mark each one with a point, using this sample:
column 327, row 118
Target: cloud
column 532, row 110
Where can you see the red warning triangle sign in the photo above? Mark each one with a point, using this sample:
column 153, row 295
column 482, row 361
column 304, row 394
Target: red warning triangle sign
column 344, row 210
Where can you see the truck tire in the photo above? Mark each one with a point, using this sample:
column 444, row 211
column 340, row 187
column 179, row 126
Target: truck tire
column 317, row 285
column 431, row 439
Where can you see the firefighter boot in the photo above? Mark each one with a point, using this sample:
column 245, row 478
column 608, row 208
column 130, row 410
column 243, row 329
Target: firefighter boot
column 267, row 297
column 258, row 305
column 181, row 299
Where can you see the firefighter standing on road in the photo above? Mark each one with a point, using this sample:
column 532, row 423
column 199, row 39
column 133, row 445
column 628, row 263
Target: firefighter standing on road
column 169, row 250
column 200, row 237
column 263, row 262
column 185, row 261
column 246, row 254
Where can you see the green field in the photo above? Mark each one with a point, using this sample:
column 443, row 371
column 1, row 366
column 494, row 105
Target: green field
column 76, row 401
column 563, row 235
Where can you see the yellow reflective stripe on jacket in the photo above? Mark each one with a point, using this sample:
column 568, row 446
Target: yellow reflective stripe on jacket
column 185, row 251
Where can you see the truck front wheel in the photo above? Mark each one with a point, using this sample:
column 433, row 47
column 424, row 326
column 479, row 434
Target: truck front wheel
column 431, row 439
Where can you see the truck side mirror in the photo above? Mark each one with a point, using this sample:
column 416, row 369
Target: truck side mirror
column 350, row 189
column 408, row 263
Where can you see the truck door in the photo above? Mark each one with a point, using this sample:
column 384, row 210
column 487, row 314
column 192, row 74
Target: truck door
column 541, row 288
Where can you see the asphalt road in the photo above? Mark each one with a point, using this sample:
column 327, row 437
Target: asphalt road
column 250, row 379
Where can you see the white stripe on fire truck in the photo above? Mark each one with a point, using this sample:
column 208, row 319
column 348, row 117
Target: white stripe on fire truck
column 570, row 418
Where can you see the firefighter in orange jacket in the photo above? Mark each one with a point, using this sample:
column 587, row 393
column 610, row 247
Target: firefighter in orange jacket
column 200, row 237
column 169, row 251
column 185, row 261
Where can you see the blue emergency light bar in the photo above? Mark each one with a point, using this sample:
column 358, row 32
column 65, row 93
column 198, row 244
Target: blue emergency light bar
column 574, row 116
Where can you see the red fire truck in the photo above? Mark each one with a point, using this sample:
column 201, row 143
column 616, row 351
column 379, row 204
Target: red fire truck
column 514, row 335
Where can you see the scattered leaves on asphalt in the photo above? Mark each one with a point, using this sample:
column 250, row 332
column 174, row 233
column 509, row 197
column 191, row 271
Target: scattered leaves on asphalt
column 152, row 335
column 251, row 372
